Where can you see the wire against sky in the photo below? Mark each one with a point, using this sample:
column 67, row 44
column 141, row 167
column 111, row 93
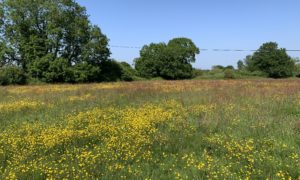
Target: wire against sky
column 221, row 50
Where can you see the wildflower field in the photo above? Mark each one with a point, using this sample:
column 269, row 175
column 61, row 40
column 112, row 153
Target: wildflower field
column 235, row 129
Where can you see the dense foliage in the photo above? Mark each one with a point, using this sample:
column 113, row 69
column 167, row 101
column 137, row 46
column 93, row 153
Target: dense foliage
column 12, row 75
column 169, row 61
column 240, row 65
column 54, row 42
column 117, row 71
column 35, row 38
column 272, row 61
column 297, row 66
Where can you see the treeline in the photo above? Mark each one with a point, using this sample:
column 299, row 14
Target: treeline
column 53, row 41
column 268, row 61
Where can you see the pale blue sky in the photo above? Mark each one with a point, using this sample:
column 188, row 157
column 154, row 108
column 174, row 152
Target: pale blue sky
column 211, row 24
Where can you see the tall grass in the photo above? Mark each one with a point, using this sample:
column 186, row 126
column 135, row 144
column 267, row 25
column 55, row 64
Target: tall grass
column 151, row 130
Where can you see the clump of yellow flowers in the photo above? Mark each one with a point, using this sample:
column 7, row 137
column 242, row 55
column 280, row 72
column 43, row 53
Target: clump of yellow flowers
column 151, row 130
column 19, row 105
column 91, row 143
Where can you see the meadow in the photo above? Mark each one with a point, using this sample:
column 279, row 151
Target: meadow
column 196, row 129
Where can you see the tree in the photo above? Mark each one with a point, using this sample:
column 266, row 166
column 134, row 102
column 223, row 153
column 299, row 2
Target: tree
column 229, row 73
column 12, row 75
column 240, row 65
column 229, row 67
column 218, row 67
column 151, row 59
column 271, row 60
column 170, row 61
column 111, row 71
column 47, row 33
column 297, row 66
column 128, row 73
column 59, row 71
column 249, row 64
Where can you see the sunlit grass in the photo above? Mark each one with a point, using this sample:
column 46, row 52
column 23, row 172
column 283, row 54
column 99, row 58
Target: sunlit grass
column 151, row 130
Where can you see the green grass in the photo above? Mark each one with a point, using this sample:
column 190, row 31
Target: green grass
column 199, row 129
column 219, row 74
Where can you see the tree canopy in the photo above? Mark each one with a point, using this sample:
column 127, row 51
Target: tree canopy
column 169, row 61
column 271, row 60
column 51, row 40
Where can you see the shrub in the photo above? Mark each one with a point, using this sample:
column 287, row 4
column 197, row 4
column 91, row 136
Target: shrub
column 229, row 67
column 12, row 75
column 59, row 71
column 218, row 67
column 197, row 72
column 128, row 73
column 254, row 73
column 216, row 70
column 38, row 68
column 85, row 72
column 229, row 74
column 110, row 71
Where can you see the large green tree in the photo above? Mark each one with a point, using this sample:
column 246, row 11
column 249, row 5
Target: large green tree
column 271, row 60
column 52, row 35
column 151, row 59
column 170, row 61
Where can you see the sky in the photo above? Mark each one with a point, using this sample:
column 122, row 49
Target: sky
column 211, row 24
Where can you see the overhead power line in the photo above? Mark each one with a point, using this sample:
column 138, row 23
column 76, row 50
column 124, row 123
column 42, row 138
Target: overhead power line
column 127, row 47
column 216, row 50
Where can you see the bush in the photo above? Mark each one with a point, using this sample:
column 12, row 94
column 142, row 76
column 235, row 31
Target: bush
column 197, row 72
column 229, row 67
column 128, row 73
column 117, row 71
column 218, row 67
column 12, row 75
column 110, row 71
column 216, row 70
column 38, row 68
column 85, row 72
column 59, row 71
column 297, row 67
column 229, row 74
